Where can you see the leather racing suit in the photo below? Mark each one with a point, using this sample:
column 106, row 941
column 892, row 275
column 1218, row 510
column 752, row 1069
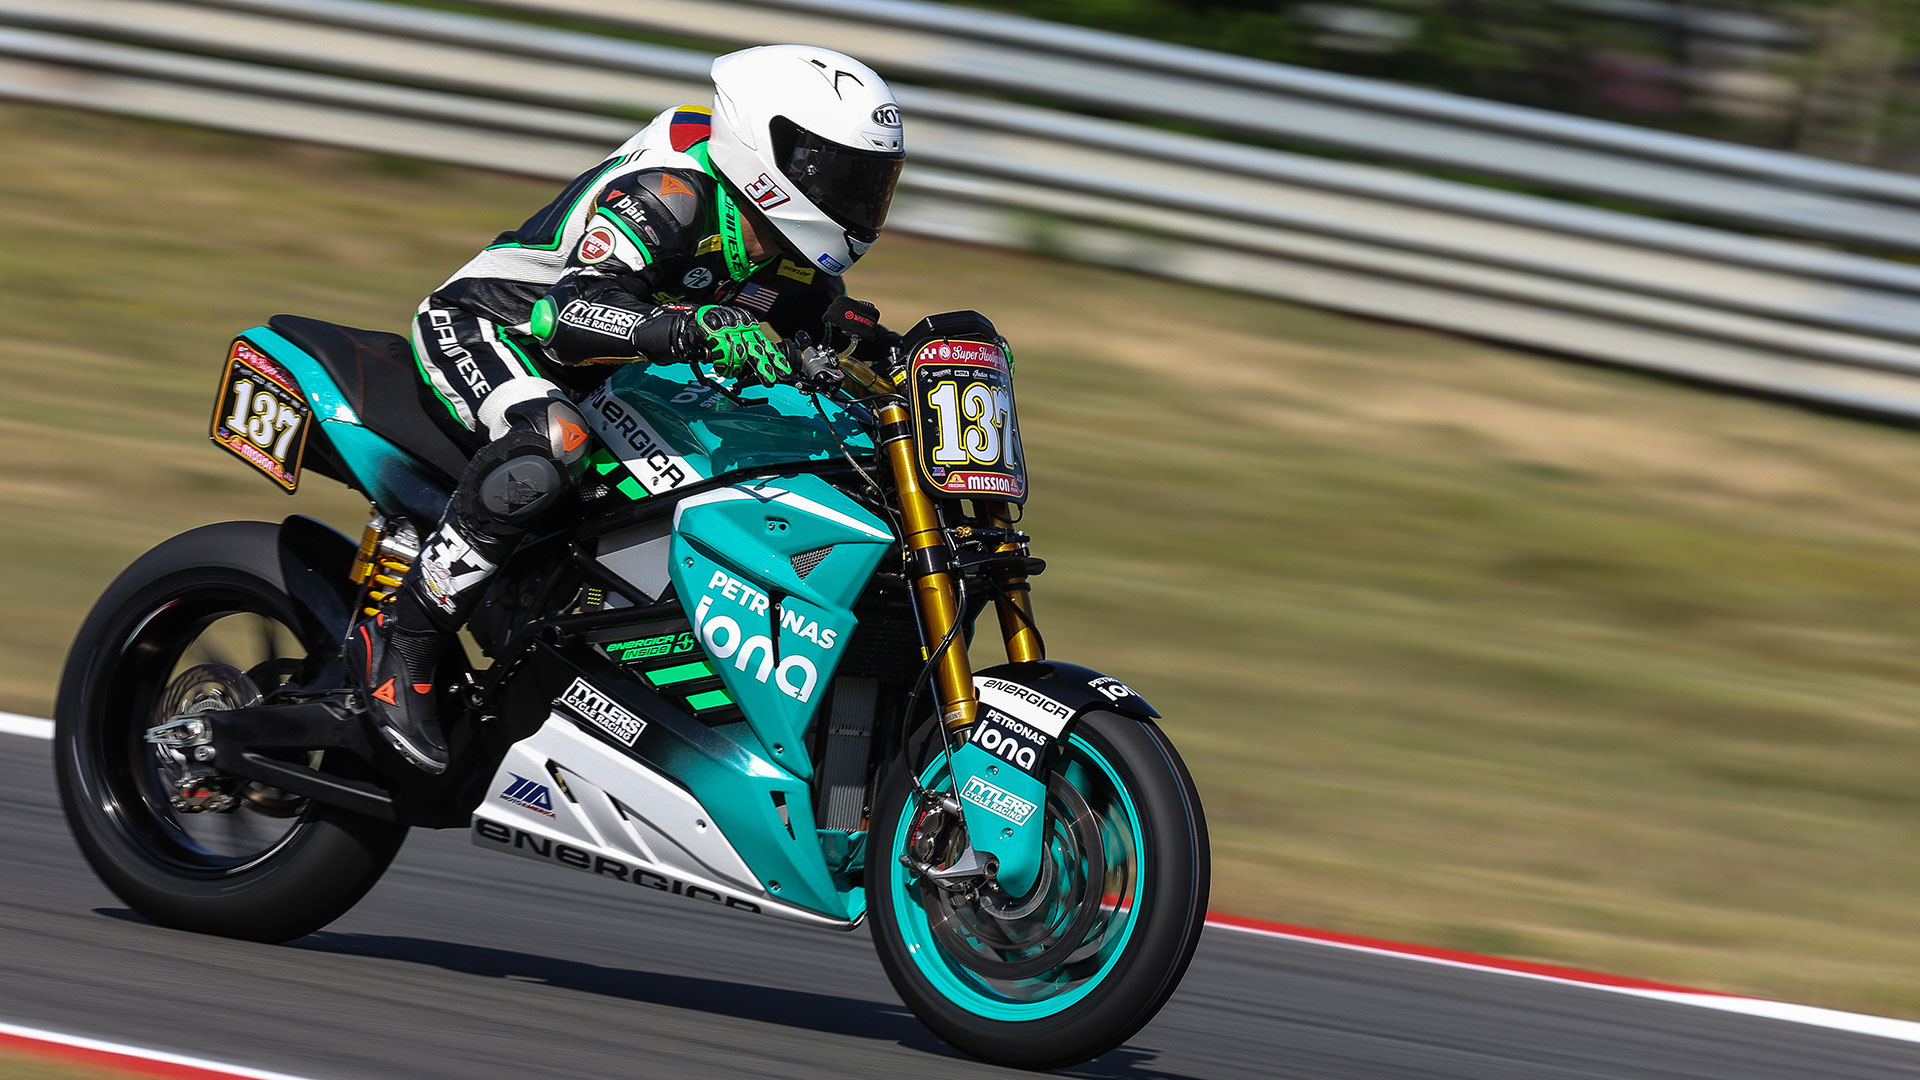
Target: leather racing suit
column 615, row 269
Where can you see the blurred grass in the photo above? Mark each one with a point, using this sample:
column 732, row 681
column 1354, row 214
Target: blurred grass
column 1464, row 647
column 31, row 1067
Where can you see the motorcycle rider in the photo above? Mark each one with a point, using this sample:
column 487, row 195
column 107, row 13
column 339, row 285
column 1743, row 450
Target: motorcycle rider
column 674, row 248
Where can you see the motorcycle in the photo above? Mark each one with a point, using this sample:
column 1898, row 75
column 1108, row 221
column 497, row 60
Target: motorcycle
column 738, row 670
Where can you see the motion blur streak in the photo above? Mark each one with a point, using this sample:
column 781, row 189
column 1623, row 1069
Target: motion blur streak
column 95, row 1054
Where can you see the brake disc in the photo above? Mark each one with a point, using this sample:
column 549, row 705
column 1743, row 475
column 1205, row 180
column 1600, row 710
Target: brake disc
column 182, row 741
column 980, row 928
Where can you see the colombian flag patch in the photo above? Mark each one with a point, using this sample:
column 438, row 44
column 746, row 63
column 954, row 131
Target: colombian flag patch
column 691, row 124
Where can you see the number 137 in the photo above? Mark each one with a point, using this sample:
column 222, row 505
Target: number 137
column 979, row 441
column 260, row 416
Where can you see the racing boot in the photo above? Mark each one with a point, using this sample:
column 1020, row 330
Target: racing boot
column 396, row 656
column 512, row 481
column 397, row 653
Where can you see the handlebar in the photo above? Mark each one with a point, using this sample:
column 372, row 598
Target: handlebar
column 816, row 368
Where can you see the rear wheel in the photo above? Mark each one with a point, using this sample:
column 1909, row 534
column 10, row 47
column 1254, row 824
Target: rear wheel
column 202, row 623
column 1082, row 962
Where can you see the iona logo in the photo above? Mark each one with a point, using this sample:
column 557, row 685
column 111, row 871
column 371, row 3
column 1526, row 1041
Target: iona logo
column 534, row 796
column 721, row 634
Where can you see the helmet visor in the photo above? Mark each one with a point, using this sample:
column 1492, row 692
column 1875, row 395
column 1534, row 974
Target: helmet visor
column 851, row 186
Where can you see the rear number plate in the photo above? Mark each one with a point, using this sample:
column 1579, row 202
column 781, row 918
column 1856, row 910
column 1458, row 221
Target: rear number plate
column 261, row 416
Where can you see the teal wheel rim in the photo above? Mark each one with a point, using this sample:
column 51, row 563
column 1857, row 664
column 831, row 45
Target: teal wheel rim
column 1086, row 967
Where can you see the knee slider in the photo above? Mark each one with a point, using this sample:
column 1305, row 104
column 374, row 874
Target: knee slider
column 512, row 480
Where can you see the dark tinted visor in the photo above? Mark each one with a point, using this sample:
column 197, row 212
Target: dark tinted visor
column 853, row 187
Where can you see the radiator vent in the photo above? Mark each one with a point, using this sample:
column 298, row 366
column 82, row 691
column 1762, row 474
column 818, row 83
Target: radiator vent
column 804, row 562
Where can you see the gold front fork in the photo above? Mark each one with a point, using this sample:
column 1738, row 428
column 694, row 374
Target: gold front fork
column 936, row 592
column 1015, row 606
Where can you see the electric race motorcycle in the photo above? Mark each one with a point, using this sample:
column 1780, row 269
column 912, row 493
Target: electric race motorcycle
column 738, row 670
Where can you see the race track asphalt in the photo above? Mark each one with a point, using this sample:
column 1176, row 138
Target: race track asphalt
column 462, row 964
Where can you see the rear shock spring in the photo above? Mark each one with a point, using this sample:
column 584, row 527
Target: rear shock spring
column 387, row 551
column 388, row 571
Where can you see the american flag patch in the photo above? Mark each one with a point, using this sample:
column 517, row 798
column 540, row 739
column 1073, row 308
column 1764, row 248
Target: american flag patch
column 756, row 296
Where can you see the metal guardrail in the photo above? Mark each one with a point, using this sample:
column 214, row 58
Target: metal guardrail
column 1763, row 314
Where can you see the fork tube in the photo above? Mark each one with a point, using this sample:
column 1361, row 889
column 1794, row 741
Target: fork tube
column 1016, row 606
column 930, row 565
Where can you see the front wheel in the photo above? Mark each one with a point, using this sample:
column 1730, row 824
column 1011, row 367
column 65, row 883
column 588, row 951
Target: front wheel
column 1075, row 968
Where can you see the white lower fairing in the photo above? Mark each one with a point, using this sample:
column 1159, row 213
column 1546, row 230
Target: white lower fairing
column 564, row 797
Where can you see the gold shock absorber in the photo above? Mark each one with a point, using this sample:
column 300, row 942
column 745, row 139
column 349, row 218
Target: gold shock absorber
column 369, row 544
column 386, row 580
column 936, row 594
column 1016, row 607
column 378, row 565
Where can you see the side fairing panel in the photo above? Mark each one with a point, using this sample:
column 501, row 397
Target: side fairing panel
column 567, row 798
column 768, row 572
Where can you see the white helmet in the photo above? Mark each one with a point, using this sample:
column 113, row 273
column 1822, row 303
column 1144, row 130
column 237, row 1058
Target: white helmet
column 812, row 138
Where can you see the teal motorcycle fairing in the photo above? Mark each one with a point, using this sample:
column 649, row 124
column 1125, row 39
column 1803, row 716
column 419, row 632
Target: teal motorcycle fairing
column 670, row 430
column 768, row 571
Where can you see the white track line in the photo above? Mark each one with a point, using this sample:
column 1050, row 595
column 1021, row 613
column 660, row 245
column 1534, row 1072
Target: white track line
column 109, row 1054
column 1858, row 1023
column 1812, row 1016
column 31, row 726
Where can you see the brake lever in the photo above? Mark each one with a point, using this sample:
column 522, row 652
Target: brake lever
column 707, row 377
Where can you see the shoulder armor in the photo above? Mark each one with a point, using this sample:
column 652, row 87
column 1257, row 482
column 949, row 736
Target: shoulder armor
column 665, row 209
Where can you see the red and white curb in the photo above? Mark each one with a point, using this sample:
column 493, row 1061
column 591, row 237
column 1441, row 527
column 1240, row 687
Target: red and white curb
column 1857, row 1023
column 132, row 1060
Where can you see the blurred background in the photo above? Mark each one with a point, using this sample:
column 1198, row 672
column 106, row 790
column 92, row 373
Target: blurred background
column 1482, row 427
column 1834, row 78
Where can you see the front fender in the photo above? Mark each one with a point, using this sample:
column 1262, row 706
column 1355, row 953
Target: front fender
column 1048, row 691
column 1000, row 774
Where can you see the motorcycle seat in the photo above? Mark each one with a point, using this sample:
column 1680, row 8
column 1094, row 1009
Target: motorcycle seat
column 376, row 373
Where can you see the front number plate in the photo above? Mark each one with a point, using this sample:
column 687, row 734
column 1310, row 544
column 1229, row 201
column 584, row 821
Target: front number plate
column 963, row 413
column 261, row 416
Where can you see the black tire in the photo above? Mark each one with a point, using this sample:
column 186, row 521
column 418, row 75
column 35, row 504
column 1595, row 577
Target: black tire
column 325, row 861
column 1172, row 907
